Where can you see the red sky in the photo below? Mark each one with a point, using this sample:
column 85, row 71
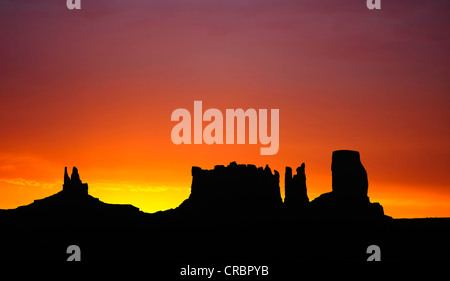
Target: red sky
column 95, row 89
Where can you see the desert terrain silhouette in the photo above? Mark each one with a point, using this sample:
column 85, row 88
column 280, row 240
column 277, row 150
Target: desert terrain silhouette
column 234, row 214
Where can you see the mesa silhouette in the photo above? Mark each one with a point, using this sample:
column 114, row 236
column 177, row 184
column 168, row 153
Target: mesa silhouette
column 234, row 214
column 235, row 191
column 245, row 191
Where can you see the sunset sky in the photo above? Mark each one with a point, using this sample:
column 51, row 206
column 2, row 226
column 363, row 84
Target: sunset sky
column 95, row 88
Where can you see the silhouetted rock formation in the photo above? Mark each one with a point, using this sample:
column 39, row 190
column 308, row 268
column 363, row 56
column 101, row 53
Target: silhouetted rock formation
column 236, row 192
column 74, row 185
column 75, row 204
column 348, row 198
column 349, row 178
column 296, row 198
column 242, row 190
column 256, row 234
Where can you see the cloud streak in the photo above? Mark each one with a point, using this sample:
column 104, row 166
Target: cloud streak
column 30, row 183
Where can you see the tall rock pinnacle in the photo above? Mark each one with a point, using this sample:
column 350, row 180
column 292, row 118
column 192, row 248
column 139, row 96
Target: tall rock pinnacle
column 296, row 197
column 73, row 185
column 66, row 177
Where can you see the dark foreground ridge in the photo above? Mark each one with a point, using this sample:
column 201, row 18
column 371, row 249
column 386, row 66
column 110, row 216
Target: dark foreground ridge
column 234, row 213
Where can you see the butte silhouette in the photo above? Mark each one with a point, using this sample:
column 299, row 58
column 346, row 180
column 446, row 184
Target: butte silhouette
column 73, row 204
column 246, row 191
column 234, row 214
